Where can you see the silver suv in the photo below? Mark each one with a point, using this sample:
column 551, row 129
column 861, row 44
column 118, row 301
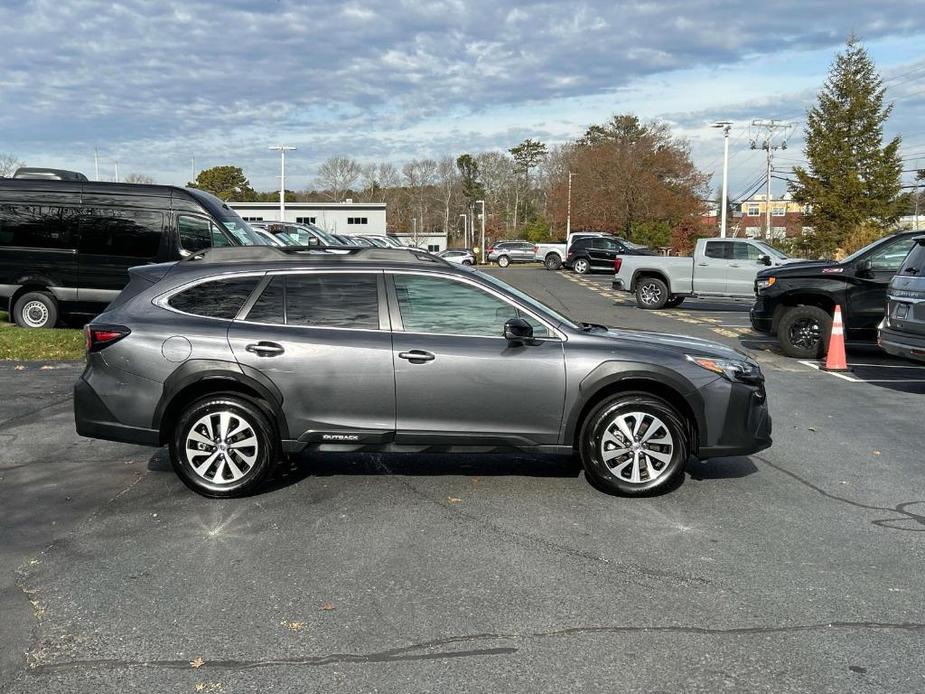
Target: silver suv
column 235, row 357
column 902, row 332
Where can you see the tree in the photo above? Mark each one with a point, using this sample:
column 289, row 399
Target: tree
column 227, row 182
column 472, row 188
column 138, row 178
column 337, row 176
column 527, row 155
column 852, row 181
column 448, row 184
column 8, row 165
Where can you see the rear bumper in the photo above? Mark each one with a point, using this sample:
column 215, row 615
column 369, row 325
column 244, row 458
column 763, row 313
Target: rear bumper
column 94, row 420
column 743, row 428
column 901, row 344
column 618, row 284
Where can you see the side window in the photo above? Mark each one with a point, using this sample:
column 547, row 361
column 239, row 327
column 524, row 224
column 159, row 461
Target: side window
column 38, row 226
column 215, row 298
column 121, row 232
column 746, row 251
column 718, row 249
column 442, row 306
column 195, row 233
column 607, row 244
column 891, row 256
column 320, row 300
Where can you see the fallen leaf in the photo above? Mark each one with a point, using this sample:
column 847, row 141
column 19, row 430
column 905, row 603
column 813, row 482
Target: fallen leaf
column 876, row 452
column 20, row 367
column 294, row 626
column 453, row 499
column 811, row 428
column 198, row 663
column 475, row 481
column 327, row 606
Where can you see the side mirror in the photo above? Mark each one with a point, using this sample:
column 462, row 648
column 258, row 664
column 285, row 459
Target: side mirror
column 765, row 259
column 864, row 266
column 313, row 241
column 518, row 331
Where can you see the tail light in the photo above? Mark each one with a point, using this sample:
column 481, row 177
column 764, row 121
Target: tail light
column 98, row 337
column 617, row 264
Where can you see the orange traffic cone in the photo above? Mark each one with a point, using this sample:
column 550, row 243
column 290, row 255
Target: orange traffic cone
column 835, row 359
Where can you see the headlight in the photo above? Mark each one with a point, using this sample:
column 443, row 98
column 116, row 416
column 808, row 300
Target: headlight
column 764, row 283
column 731, row 369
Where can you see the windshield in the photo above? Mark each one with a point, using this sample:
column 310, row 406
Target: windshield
column 241, row 232
column 328, row 239
column 857, row 254
column 529, row 300
column 773, row 252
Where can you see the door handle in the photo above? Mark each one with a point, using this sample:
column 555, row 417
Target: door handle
column 703, row 264
column 734, row 265
column 417, row 356
column 265, row 349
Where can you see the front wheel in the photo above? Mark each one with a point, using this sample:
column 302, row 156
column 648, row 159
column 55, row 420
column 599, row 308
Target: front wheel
column 504, row 261
column 553, row 262
column 222, row 446
column 633, row 443
column 651, row 293
column 581, row 266
column 36, row 310
column 803, row 332
column 467, row 262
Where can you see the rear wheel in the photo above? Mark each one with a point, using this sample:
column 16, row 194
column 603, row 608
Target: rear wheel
column 803, row 332
column 633, row 443
column 223, row 446
column 675, row 300
column 467, row 262
column 503, row 261
column 36, row 310
column 553, row 262
column 581, row 266
column 651, row 293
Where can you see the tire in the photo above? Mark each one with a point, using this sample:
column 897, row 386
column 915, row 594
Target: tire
column 36, row 310
column 674, row 301
column 644, row 467
column 581, row 266
column 651, row 293
column 553, row 262
column 503, row 261
column 204, row 418
column 803, row 332
column 467, row 262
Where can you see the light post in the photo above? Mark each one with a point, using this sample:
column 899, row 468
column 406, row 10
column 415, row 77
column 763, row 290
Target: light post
column 725, row 125
column 282, row 149
column 482, row 242
column 568, row 215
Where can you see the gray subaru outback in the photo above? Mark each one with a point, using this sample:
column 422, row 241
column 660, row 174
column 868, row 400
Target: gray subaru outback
column 236, row 357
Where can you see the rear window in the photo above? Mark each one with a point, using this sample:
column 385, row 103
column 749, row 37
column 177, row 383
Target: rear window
column 320, row 300
column 914, row 264
column 215, row 298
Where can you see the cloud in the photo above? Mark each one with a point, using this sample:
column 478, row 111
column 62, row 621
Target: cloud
column 159, row 81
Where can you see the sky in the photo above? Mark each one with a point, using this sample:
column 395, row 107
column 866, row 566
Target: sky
column 160, row 86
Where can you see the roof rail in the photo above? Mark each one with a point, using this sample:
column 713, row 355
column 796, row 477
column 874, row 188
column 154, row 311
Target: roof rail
column 250, row 254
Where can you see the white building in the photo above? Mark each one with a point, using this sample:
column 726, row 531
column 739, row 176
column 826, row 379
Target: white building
column 355, row 218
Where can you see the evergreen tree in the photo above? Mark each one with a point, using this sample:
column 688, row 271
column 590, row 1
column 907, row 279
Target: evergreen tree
column 227, row 182
column 852, row 180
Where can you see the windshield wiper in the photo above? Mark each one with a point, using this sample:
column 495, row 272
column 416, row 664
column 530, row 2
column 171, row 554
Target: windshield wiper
column 591, row 327
column 912, row 270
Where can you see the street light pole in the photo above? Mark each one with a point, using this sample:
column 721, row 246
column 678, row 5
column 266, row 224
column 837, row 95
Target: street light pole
column 482, row 243
column 568, row 215
column 282, row 149
column 465, row 219
column 726, row 126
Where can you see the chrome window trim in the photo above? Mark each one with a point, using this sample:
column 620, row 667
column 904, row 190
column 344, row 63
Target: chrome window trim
column 161, row 300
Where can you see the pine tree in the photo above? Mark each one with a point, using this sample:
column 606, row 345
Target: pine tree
column 852, row 180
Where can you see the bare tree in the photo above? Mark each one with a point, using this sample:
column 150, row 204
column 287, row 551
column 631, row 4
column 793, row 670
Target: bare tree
column 138, row 178
column 8, row 164
column 338, row 175
column 448, row 177
column 420, row 176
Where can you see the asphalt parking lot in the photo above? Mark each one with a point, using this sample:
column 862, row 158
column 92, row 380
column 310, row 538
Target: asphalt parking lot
column 795, row 570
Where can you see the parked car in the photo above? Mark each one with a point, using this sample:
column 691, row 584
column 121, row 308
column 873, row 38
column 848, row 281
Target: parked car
column 236, row 356
column 796, row 302
column 719, row 267
column 553, row 255
column 66, row 245
column 298, row 234
column 506, row 252
column 596, row 254
column 902, row 331
column 461, row 256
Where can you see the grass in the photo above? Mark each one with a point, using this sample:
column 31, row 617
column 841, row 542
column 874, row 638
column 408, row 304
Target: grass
column 39, row 344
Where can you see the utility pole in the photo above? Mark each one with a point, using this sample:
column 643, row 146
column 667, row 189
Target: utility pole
column 465, row 219
column 192, row 170
column 115, row 166
column 96, row 162
column 770, row 127
column 414, row 230
column 726, row 126
column 482, row 242
column 568, row 214
column 282, row 149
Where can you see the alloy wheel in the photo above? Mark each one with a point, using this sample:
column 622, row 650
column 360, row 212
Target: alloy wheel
column 805, row 333
column 651, row 293
column 637, row 447
column 222, row 447
column 581, row 266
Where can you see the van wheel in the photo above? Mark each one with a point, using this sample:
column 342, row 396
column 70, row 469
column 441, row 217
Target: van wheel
column 633, row 443
column 803, row 332
column 651, row 293
column 36, row 310
column 222, row 446
column 553, row 262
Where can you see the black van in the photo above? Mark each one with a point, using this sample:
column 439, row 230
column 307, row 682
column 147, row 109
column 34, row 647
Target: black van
column 66, row 245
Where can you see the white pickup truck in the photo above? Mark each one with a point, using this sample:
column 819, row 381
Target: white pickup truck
column 719, row 267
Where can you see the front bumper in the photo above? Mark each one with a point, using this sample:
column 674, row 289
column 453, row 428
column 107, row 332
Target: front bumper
column 901, row 344
column 96, row 421
column 738, row 424
column 762, row 315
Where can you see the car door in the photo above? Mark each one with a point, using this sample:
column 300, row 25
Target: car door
column 744, row 266
column 322, row 337
column 866, row 294
column 602, row 252
column 710, row 268
column 457, row 380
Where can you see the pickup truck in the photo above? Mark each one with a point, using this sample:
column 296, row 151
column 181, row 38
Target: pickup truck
column 719, row 267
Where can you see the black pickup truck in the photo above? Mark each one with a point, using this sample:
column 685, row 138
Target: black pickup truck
column 795, row 302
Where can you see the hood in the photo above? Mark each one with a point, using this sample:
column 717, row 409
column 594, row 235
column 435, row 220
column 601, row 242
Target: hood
column 680, row 344
column 795, row 267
